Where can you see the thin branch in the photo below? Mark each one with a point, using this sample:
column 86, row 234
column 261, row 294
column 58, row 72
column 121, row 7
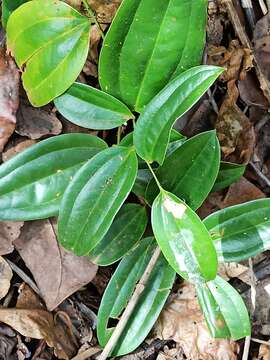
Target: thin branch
column 24, row 277
column 92, row 16
column 119, row 131
column 130, row 307
column 259, row 173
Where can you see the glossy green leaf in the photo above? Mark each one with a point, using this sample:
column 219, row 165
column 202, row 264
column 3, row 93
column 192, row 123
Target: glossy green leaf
column 228, row 174
column 126, row 230
column 183, row 238
column 152, row 130
column 224, row 310
column 8, row 6
column 147, row 44
column 190, row 171
column 50, row 41
column 240, row 231
column 88, row 107
column 94, row 197
column 32, row 183
column 120, row 289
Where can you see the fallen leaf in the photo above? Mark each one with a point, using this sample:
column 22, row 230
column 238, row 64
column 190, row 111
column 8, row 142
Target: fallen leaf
column 9, row 97
column 234, row 130
column 14, row 150
column 58, row 273
column 264, row 352
column 261, row 40
column 8, row 343
column 254, row 97
column 104, row 9
column 5, row 276
column 214, row 25
column 231, row 270
column 9, row 232
column 241, row 192
column 36, row 123
column 182, row 321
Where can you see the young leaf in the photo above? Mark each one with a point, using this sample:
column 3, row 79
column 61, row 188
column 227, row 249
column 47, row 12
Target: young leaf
column 169, row 38
column 190, row 171
column 126, row 230
column 8, row 6
column 240, row 231
column 224, row 310
column 32, row 183
column 228, row 174
column 152, row 131
column 88, row 107
column 183, row 238
column 94, row 197
column 120, row 289
column 51, row 45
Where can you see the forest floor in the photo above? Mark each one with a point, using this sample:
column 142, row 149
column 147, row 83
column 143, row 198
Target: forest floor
column 36, row 274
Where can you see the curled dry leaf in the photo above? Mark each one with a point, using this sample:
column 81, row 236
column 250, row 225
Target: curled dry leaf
column 104, row 9
column 235, row 131
column 58, row 273
column 5, row 277
column 9, row 96
column 36, row 123
column 182, row 321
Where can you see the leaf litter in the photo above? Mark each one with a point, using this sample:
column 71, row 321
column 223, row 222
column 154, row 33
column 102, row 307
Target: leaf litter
column 237, row 107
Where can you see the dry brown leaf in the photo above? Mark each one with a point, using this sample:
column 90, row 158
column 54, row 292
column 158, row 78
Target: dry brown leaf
column 104, row 9
column 9, row 97
column 9, row 231
column 36, row 123
column 241, row 192
column 234, row 130
column 58, row 273
column 231, row 270
column 182, row 321
column 264, row 353
column 261, row 39
column 5, row 277
column 254, row 97
column 14, row 150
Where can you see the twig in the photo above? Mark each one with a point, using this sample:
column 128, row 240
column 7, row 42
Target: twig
column 263, row 7
column 240, row 31
column 93, row 17
column 86, row 354
column 130, row 307
column 261, row 341
column 119, row 131
column 259, row 173
column 24, row 277
column 253, row 303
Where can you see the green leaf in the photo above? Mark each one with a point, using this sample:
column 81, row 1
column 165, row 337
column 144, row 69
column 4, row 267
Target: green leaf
column 120, row 289
column 224, row 310
column 94, row 197
column 183, row 238
column 8, row 6
column 148, row 43
column 88, row 107
column 126, row 230
column 50, row 41
column 190, row 171
column 152, row 130
column 32, row 183
column 240, row 231
column 228, row 174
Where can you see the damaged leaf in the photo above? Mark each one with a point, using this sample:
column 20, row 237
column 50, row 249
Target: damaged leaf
column 5, row 277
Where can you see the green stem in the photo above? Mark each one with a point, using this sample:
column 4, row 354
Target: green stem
column 155, row 177
column 119, row 130
column 92, row 16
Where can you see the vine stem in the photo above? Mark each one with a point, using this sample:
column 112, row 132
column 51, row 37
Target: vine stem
column 155, row 177
column 130, row 306
column 119, row 130
column 92, row 16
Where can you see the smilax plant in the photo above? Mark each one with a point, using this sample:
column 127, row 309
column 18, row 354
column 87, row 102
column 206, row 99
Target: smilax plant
column 149, row 73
